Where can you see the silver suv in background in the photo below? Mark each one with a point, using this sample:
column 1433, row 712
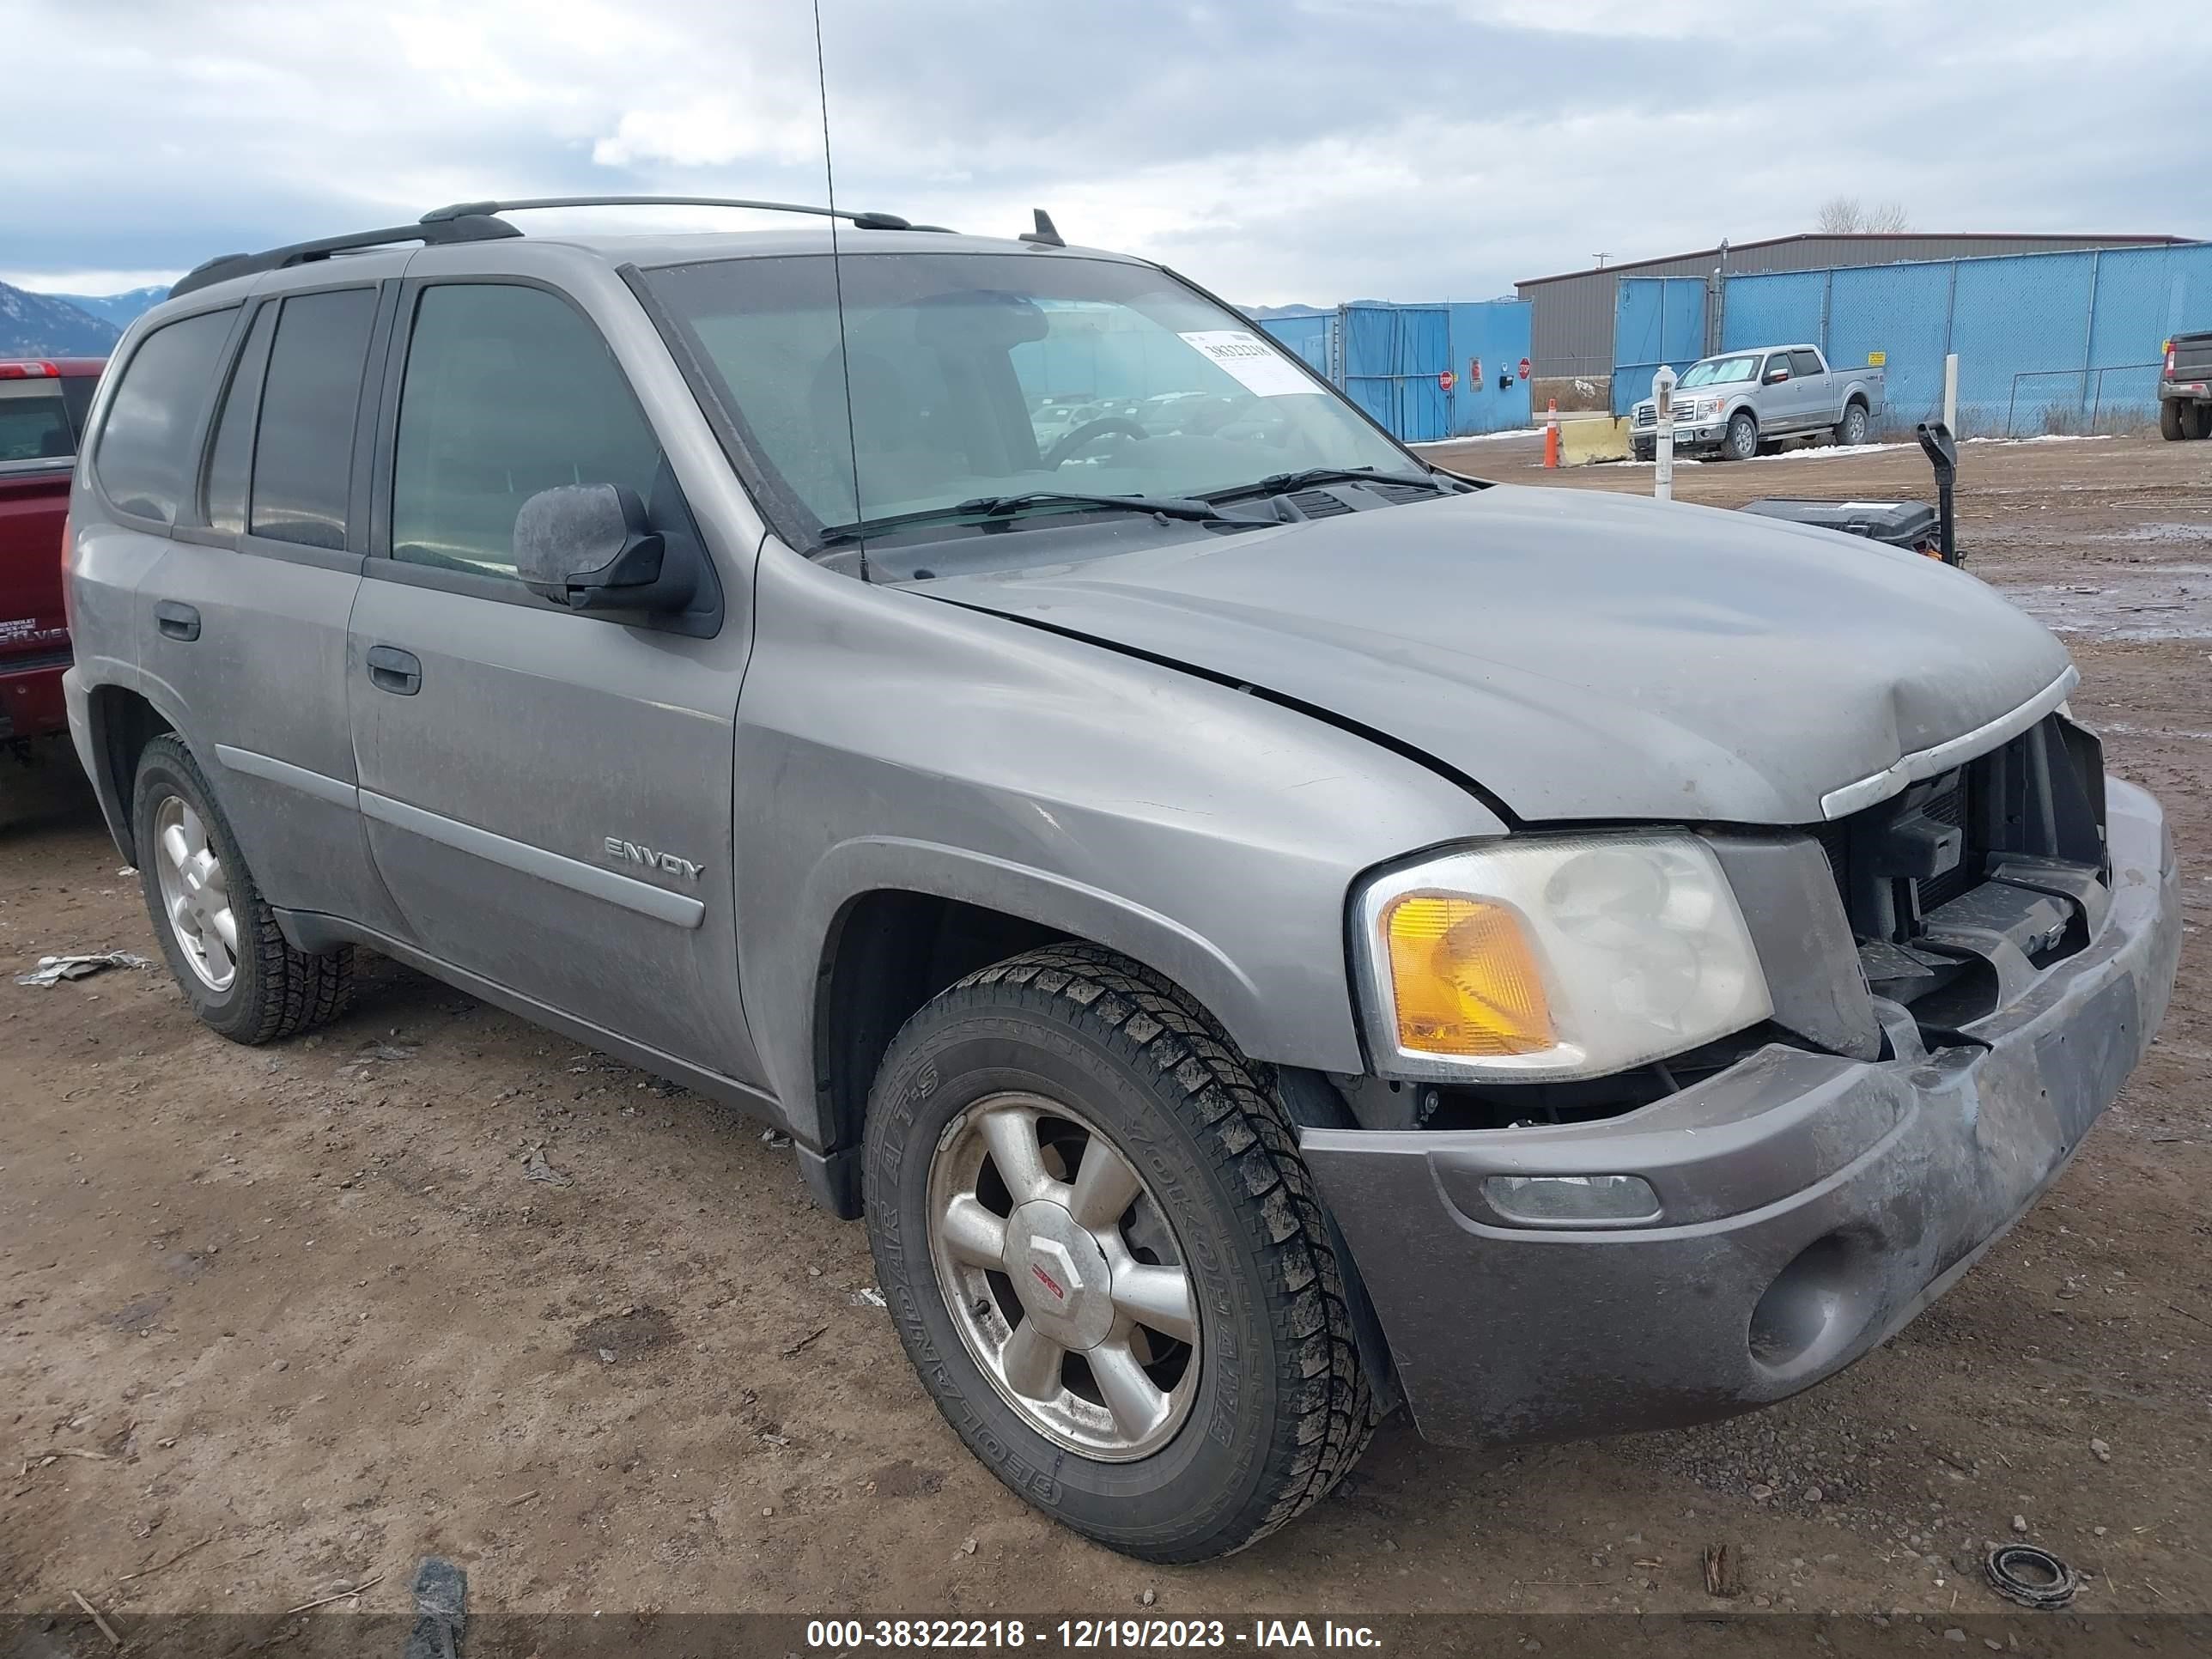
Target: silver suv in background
column 1261, row 930
column 1732, row 405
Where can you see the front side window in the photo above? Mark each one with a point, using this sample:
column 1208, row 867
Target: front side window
column 145, row 460
column 303, row 447
column 978, row 375
column 35, row 423
column 508, row 390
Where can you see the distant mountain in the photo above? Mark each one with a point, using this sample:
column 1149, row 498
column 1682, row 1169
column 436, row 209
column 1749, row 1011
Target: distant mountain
column 120, row 309
column 41, row 326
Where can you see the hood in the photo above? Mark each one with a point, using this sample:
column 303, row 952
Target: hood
column 1579, row 654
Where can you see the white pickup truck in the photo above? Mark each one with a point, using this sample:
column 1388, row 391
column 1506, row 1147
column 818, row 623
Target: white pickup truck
column 1732, row 403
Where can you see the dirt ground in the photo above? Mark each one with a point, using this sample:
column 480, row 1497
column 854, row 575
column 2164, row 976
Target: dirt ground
column 279, row 1321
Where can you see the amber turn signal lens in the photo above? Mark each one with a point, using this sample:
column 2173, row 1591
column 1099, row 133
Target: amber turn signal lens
column 1464, row 979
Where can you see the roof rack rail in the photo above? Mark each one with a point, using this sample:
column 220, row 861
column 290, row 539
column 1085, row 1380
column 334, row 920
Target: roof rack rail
column 475, row 222
column 475, row 209
column 460, row 228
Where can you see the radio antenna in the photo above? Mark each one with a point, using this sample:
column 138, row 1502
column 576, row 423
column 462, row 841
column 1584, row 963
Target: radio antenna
column 837, row 279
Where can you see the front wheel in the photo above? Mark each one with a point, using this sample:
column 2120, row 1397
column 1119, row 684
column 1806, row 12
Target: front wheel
column 1742, row 440
column 1106, row 1259
column 1852, row 430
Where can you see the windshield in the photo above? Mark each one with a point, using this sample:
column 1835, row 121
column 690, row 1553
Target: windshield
column 995, row 375
column 1720, row 371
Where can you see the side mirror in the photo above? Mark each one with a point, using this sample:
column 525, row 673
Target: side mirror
column 587, row 547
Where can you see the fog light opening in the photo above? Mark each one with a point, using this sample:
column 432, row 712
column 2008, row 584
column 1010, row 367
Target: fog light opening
column 1581, row 1201
column 1812, row 1308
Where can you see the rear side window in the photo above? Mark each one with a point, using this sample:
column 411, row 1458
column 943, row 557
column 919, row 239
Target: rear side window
column 1803, row 363
column 303, row 454
column 230, row 459
column 144, row 461
column 34, row 422
column 508, row 390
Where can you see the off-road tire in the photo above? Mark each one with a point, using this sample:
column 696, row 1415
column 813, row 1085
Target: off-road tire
column 1855, row 412
column 1741, row 442
column 1283, row 1407
column 2196, row 421
column 2171, row 425
column 275, row 991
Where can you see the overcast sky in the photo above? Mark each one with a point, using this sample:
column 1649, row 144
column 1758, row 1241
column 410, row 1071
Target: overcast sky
column 1275, row 150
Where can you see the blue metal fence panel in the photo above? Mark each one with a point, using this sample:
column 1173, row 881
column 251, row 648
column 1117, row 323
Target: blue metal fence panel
column 1656, row 319
column 1389, row 359
column 1306, row 336
column 1489, row 342
column 1903, row 312
column 1392, row 357
column 2063, row 341
column 1773, row 309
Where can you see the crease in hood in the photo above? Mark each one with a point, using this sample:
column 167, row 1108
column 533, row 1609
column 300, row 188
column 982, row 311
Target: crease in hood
column 1579, row 653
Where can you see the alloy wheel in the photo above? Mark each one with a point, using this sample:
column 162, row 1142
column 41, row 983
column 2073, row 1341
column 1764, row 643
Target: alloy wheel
column 1064, row 1277
column 195, row 894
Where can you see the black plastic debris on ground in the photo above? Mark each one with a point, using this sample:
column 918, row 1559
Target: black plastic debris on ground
column 442, row 1594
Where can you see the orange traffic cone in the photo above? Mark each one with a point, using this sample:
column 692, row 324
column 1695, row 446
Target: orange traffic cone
column 1551, row 435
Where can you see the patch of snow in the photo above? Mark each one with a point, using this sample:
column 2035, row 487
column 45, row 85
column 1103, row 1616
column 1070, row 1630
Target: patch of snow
column 1481, row 438
column 2049, row 438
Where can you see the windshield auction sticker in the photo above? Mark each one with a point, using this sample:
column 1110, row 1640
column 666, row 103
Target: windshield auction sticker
column 1257, row 365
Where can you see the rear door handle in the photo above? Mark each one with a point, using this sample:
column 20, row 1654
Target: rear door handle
column 178, row 620
column 391, row 669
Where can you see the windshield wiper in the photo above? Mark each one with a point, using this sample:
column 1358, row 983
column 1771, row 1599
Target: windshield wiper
column 991, row 508
column 1282, row 482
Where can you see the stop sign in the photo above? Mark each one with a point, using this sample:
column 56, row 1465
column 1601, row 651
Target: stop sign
column 1525, row 368
column 1447, row 381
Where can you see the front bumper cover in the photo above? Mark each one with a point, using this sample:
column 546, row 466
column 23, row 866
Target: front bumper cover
column 1812, row 1205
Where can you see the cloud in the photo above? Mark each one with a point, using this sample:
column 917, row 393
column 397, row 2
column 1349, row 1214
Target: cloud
column 1304, row 149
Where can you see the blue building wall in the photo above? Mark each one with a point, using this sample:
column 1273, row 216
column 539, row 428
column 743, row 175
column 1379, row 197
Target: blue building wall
column 2064, row 341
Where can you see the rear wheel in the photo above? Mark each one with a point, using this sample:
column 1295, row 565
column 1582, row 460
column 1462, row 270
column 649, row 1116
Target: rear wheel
column 1106, row 1259
column 1741, row 442
column 2173, row 419
column 1852, row 430
column 2196, row 420
column 221, row 937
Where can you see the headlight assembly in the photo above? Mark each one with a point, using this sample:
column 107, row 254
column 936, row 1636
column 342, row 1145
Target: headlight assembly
column 1553, row 957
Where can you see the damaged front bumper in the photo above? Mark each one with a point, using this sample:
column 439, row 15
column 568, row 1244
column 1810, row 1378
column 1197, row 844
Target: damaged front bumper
column 1810, row 1205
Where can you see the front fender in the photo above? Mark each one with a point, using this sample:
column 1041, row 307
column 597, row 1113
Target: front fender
column 887, row 741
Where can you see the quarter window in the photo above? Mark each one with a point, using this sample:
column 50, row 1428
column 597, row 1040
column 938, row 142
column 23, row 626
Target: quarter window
column 303, row 452
column 508, row 390
column 230, row 460
column 145, row 459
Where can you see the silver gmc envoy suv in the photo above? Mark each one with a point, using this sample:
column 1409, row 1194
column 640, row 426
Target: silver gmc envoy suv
column 1261, row 930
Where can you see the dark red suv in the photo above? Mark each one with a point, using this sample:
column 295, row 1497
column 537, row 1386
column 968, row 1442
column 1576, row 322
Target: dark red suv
column 43, row 404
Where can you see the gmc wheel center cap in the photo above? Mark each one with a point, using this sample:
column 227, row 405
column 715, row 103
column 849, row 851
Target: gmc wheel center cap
column 1060, row 1274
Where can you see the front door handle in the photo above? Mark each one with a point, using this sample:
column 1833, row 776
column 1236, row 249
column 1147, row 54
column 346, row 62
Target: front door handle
column 178, row 620
column 391, row 669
